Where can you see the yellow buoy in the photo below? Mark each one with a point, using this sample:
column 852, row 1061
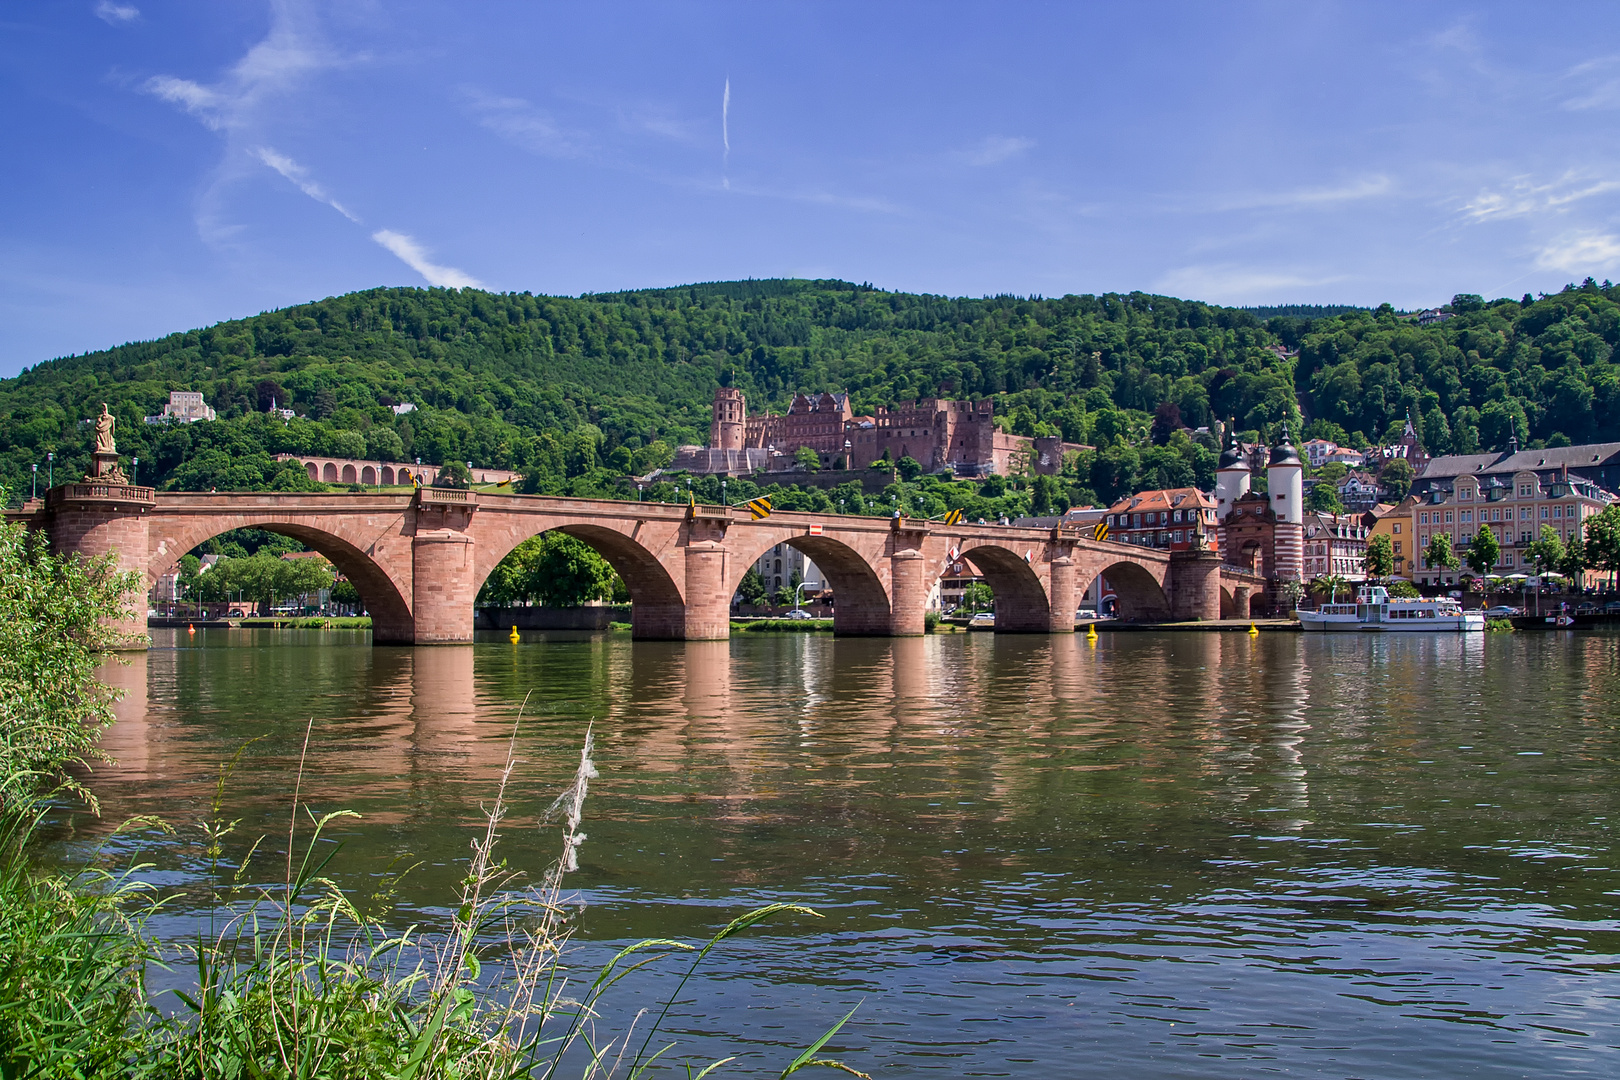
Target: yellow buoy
column 514, row 637
column 1091, row 632
column 1254, row 631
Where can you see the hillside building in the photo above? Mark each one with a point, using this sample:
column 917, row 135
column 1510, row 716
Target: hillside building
column 184, row 407
column 956, row 436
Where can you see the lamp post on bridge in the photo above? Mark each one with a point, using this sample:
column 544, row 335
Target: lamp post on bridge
column 135, row 472
column 50, row 469
column 34, row 494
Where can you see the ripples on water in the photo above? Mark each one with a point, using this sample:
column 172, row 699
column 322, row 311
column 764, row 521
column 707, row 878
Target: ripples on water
column 1163, row 855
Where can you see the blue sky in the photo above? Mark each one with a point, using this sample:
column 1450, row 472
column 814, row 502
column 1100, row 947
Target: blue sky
column 171, row 163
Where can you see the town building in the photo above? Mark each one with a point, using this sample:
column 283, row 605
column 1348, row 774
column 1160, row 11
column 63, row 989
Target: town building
column 1596, row 462
column 184, row 407
column 1336, row 544
column 1513, row 506
column 1175, row 519
column 1395, row 522
column 1358, row 491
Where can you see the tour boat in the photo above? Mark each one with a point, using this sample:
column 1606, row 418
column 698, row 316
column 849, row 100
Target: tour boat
column 1375, row 609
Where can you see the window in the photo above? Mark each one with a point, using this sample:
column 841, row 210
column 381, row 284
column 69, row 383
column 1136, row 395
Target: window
column 1423, row 518
column 1397, row 547
column 1545, row 513
column 1465, row 493
column 1466, row 516
column 1557, row 511
column 1448, row 517
column 1178, row 533
column 1397, row 533
column 1524, row 513
column 1524, row 491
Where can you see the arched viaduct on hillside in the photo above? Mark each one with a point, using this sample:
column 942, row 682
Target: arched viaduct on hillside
column 418, row 559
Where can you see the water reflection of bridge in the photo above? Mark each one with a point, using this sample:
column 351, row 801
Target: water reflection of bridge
column 418, row 560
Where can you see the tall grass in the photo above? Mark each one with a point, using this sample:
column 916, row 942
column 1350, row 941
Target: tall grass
column 295, row 980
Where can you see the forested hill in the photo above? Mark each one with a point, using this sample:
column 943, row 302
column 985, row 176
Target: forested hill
column 561, row 387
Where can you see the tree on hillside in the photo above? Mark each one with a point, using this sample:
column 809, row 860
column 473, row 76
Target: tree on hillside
column 807, row 459
column 453, row 474
column 1166, row 422
column 1324, row 500
column 909, row 468
column 1396, row 479
column 1379, row 561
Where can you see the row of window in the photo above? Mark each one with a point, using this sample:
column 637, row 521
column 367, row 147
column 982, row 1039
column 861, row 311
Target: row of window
column 1526, row 513
column 1168, row 536
column 1506, row 537
column 1163, row 517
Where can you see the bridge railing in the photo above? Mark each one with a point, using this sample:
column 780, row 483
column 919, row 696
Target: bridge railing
column 100, row 492
column 427, row 496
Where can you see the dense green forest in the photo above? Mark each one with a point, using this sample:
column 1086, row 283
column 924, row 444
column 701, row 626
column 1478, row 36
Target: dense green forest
column 579, row 393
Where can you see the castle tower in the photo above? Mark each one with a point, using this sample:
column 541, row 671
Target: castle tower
column 727, row 429
column 1285, row 486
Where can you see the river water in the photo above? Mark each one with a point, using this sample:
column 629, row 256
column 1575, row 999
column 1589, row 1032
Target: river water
column 1160, row 855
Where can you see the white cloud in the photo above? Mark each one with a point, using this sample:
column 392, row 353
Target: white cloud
column 299, row 175
column 519, row 122
column 1366, row 187
column 1600, row 89
column 1581, row 253
column 1232, row 283
column 994, row 149
column 1523, row 196
column 113, row 14
column 197, row 100
column 416, row 257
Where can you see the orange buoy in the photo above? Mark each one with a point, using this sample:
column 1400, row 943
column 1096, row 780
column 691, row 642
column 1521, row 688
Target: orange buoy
column 190, row 629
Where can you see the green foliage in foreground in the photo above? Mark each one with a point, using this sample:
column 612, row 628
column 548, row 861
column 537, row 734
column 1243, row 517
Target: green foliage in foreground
column 555, row 570
column 52, row 636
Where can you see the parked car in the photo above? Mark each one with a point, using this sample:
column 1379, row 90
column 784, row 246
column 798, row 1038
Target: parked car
column 1587, row 608
column 1500, row 611
column 982, row 620
column 799, row 613
column 1612, row 607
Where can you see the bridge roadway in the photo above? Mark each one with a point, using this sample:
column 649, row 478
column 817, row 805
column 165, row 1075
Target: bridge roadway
column 419, row 559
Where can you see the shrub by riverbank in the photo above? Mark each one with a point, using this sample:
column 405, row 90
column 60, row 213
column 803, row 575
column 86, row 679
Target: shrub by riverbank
column 309, row 622
column 783, row 626
column 302, row 983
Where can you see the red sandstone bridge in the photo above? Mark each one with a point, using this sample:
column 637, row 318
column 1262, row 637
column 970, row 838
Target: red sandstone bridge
column 418, row 559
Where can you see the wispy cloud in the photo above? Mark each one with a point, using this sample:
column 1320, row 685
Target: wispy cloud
column 1587, row 252
column 1366, row 187
column 299, row 175
column 725, row 133
column 116, row 14
column 1599, row 83
column 1523, row 196
column 993, row 150
column 1231, row 282
column 522, row 123
column 416, row 257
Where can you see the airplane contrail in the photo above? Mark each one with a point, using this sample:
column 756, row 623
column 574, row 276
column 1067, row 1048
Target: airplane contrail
column 725, row 131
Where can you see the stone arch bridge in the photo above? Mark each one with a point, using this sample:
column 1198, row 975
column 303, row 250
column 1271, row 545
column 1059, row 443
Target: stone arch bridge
column 418, row 559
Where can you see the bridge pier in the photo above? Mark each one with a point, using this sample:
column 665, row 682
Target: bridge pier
column 100, row 519
column 908, row 592
column 1195, row 585
column 442, row 588
column 1240, row 601
column 1060, row 595
column 708, row 606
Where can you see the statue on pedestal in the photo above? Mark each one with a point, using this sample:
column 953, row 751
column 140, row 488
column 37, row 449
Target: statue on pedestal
column 105, row 468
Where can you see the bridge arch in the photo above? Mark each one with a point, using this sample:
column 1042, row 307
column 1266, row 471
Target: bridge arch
column 657, row 607
column 1138, row 594
column 382, row 595
column 1022, row 604
column 861, row 602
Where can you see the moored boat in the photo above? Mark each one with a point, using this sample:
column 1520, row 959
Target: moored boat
column 1376, row 610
